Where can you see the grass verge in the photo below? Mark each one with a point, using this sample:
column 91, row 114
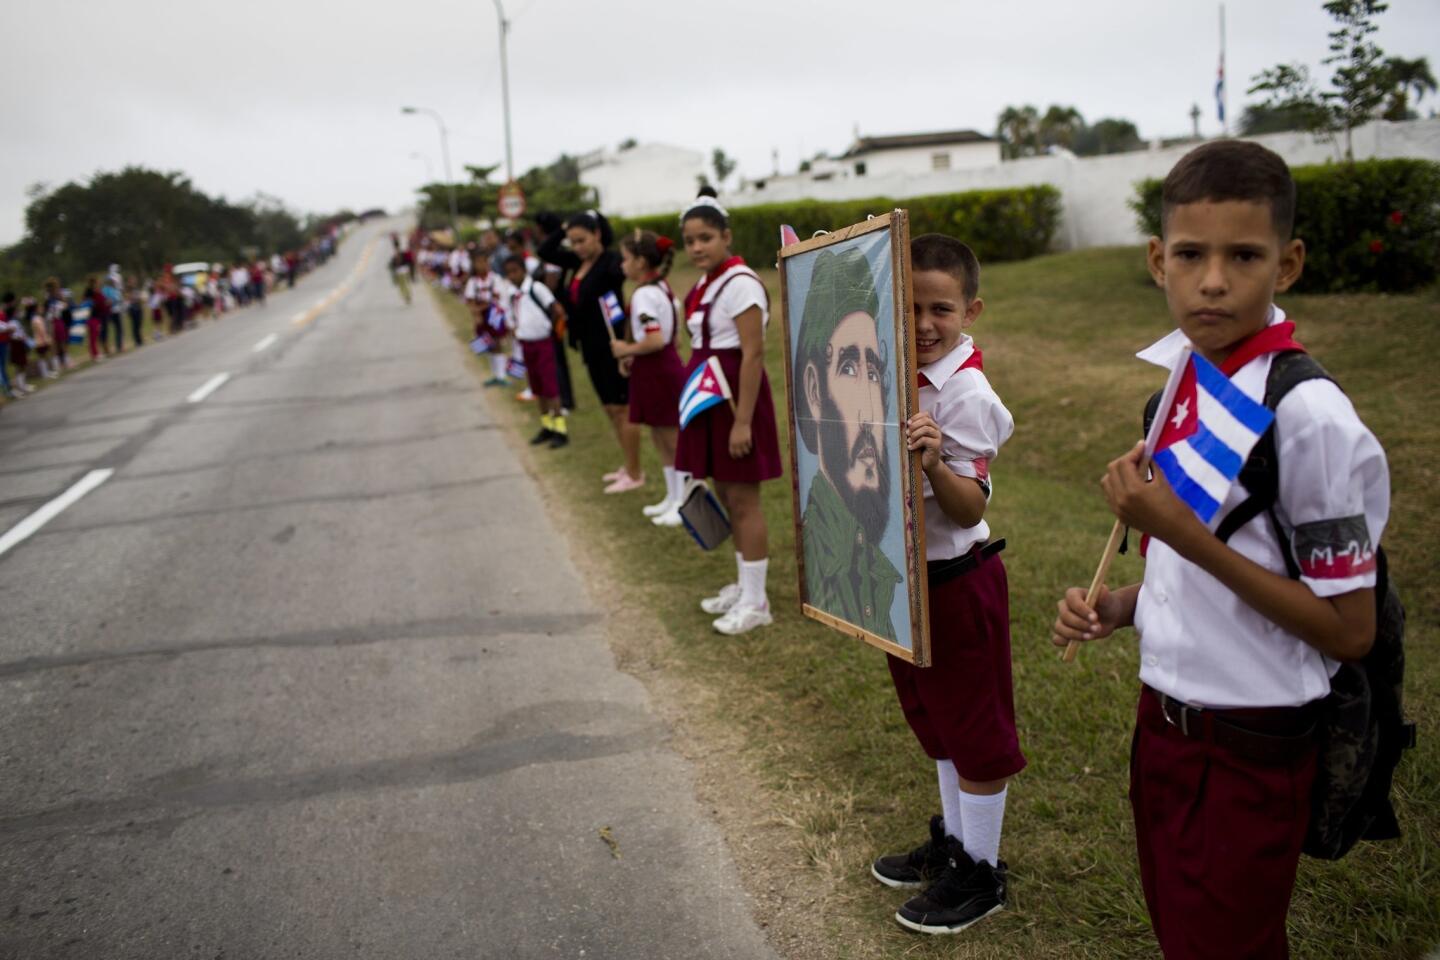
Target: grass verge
column 814, row 714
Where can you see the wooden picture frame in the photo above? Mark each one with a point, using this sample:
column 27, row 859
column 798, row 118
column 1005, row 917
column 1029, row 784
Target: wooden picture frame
column 857, row 491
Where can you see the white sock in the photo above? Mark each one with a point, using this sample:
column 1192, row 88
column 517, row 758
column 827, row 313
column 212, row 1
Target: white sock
column 983, row 817
column 752, row 583
column 497, row 366
column 739, row 569
column 950, row 797
column 672, row 490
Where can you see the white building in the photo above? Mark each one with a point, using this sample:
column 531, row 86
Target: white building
column 906, row 154
column 644, row 179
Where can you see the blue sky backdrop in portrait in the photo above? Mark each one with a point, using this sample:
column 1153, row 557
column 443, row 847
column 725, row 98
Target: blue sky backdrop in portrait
column 799, row 270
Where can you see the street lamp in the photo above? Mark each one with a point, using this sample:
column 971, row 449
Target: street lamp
column 445, row 158
column 429, row 167
column 505, row 91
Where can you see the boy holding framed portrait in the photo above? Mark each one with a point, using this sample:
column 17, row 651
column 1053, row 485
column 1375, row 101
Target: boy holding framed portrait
column 864, row 385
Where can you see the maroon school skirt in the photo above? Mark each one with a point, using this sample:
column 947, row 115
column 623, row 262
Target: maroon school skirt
column 655, row 382
column 962, row 707
column 540, row 367
column 704, row 446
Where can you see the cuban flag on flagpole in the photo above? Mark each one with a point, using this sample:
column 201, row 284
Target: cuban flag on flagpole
column 610, row 304
column 1204, row 429
column 705, row 388
column 1220, row 91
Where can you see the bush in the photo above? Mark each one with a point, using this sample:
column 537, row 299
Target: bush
column 1368, row 226
column 997, row 224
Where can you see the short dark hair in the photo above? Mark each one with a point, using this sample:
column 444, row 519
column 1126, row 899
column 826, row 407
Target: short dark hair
column 1232, row 170
column 513, row 258
column 936, row 251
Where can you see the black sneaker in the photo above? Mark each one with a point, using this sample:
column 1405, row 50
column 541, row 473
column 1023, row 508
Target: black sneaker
column 966, row 892
column 544, row 436
column 559, row 440
column 920, row 866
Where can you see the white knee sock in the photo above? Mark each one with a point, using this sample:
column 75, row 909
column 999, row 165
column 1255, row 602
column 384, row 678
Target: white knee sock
column 983, row 817
column 497, row 366
column 752, row 583
column 950, row 797
column 739, row 569
column 672, row 490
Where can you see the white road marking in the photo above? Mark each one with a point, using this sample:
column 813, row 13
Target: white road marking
column 265, row 344
column 208, row 387
column 22, row 530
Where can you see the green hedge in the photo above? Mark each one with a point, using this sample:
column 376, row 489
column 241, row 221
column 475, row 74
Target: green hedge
column 1368, row 226
column 997, row 224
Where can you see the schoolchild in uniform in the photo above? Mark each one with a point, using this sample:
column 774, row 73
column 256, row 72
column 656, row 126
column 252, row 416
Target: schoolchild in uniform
column 961, row 708
column 1234, row 654
column 726, row 313
column 41, row 341
column 535, row 313
column 656, row 373
column 594, row 271
column 485, row 294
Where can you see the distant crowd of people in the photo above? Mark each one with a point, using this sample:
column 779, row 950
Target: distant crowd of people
column 42, row 335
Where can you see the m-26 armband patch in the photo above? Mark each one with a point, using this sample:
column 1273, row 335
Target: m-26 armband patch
column 1334, row 549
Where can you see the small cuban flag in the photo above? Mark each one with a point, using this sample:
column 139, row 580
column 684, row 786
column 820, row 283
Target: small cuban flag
column 788, row 235
column 610, row 306
column 706, row 387
column 1203, row 432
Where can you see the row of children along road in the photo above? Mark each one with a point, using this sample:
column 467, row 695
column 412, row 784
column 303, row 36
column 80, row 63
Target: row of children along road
column 37, row 333
column 1266, row 622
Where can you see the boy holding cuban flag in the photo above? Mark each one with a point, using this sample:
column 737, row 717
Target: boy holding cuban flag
column 1235, row 652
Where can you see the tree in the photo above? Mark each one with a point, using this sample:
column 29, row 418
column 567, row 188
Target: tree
column 1018, row 132
column 1108, row 135
column 723, row 165
column 1407, row 76
column 1360, row 84
column 1259, row 119
column 1059, row 126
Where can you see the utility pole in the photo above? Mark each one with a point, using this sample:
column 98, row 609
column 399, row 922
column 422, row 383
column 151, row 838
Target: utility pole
column 1220, row 92
column 505, row 91
column 1195, row 120
column 445, row 159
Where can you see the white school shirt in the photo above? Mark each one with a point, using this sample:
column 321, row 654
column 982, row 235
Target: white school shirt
column 531, row 322
column 492, row 286
column 973, row 426
column 1201, row 643
column 743, row 291
column 653, row 309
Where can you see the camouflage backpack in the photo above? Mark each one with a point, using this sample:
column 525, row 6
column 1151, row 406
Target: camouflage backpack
column 1361, row 729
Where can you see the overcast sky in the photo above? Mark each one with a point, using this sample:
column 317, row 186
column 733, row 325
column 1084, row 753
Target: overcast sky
column 302, row 99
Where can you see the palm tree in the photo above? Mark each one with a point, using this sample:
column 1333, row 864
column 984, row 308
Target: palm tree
column 1407, row 76
column 1016, row 129
column 1060, row 125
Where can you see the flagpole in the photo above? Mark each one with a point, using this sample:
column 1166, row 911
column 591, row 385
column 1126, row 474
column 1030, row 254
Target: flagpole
column 1117, row 532
column 1224, row 89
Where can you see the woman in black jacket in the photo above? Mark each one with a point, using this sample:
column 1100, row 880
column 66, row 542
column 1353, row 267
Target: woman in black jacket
column 593, row 270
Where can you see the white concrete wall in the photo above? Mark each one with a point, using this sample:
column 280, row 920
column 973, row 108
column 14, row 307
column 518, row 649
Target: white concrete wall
column 1095, row 190
column 648, row 178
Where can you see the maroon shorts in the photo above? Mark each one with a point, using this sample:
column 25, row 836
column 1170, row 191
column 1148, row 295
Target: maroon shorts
column 540, row 367
column 1219, row 840
column 655, row 383
column 704, row 446
column 962, row 707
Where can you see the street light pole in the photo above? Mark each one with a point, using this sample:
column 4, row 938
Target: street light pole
column 429, row 167
column 445, row 159
column 505, row 91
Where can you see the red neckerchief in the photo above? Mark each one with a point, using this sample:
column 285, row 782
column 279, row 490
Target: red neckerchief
column 692, row 299
column 1276, row 338
column 975, row 360
column 1273, row 339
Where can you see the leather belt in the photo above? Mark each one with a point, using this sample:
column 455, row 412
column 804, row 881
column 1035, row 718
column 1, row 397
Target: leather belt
column 1290, row 730
column 943, row 571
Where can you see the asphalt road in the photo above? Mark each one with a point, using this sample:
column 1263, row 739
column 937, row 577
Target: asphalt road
column 311, row 674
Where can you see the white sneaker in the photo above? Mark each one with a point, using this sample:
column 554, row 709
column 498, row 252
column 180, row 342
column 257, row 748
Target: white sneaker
column 743, row 619
column 728, row 596
column 670, row 518
column 655, row 509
